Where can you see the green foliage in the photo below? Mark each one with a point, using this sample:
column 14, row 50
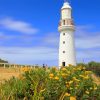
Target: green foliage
column 51, row 84
column 92, row 66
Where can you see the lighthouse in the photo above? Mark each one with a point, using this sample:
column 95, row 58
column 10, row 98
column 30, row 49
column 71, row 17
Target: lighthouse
column 66, row 29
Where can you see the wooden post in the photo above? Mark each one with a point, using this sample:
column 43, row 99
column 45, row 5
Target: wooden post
column 4, row 65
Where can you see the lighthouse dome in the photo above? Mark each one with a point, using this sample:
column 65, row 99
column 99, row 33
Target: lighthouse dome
column 66, row 6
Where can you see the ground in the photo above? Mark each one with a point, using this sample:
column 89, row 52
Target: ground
column 7, row 73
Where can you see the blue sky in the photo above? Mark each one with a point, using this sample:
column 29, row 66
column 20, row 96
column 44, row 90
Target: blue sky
column 29, row 35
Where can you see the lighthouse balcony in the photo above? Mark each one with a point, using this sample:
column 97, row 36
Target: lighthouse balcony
column 66, row 24
column 66, row 27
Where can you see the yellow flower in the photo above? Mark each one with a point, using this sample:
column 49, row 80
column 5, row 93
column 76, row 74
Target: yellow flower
column 54, row 68
column 67, row 94
column 91, row 88
column 76, row 88
column 64, row 75
column 71, row 88
column 63, row 69
column 41, row 98
column 68, row 72
column 77, row 80
column 51, row 75
column 77, row 85
column 84, row 68
column 72, row 98
column 81, row 76
column 86, row 77
column 95, row 88
column 70, row 65
column 67, row 85
column 74, row 78
column 87, row 92
column 42, row 90
column 70, row 82
column 88, row 72
column 56, row 78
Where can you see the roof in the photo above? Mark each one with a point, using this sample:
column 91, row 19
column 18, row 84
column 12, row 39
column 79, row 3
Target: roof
column 66, row 5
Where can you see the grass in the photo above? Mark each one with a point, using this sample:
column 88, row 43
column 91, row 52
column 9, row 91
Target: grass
column 7, row 73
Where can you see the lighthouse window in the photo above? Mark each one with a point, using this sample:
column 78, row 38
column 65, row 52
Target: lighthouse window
column 63, row 42
column 63, row 33
column 63, row 51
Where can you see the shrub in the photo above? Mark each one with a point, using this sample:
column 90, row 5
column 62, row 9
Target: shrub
column 68, row 83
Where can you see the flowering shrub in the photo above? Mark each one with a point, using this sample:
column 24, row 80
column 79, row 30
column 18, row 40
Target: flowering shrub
column 68, row 83
column 93, row 66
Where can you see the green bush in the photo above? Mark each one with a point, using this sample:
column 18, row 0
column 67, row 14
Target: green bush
column 68, row 83
column 92, row 66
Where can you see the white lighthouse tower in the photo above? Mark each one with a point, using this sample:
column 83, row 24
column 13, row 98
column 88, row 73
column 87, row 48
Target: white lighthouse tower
column 66, row 45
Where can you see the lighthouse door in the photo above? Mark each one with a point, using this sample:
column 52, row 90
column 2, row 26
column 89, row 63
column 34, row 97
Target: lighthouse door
column 63, row 64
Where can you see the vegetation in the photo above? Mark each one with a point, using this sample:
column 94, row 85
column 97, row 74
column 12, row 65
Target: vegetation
column 3, row 61
column 68, row 83
column 92, row 66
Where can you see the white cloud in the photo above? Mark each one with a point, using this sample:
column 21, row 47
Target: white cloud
column 86, row 39
column 18, row 26
column 51, row 38
column 87, row 43
column 25, row 55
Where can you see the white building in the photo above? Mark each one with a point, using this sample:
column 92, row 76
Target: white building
column 66, row 45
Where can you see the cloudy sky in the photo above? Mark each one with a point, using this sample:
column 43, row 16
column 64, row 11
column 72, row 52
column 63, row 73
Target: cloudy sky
column 29, row 35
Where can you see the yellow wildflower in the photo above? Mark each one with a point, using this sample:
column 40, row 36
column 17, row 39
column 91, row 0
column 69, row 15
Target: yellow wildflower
column 51, row 75
column 81, row 76
column 67, row 94
column 63, row 69
column 87, row 92
column 41, row 98
column 54, row 68
column 67, row 85
column 42, row 90
column 69, row 65
column 84, row 68
column 70, row 82
column 76, row 88
column 56, row 78
column 64, row 75
column 71, row 88
column 91, row 88
column 88, row 72
column 95, row 88
column 74, row 78
column 77, row 80
column 68, row 72
column 77, row 85
column 72, row 98
column 86, row 77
